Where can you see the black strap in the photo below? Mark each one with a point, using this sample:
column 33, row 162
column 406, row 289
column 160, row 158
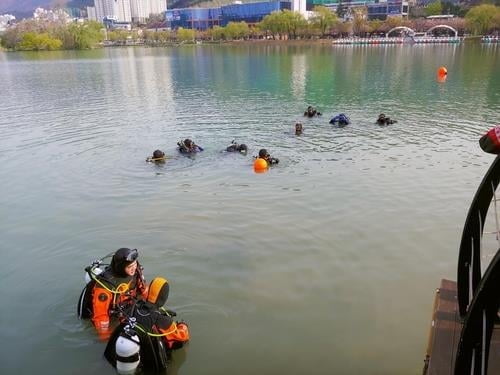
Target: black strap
column 133, row 358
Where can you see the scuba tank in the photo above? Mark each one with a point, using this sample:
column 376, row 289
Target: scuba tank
column 127, row 349
column 95, row 271
column 84, row 307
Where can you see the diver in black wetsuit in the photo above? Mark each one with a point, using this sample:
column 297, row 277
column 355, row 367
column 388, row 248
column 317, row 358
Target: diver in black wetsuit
column 235, row 147
column 311, row 112
column 263, row 154
column 187, row 146
column 158, row 157
column 383, row 120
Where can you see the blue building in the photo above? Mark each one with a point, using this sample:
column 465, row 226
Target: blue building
column 251, row 12
column 390, row 8
column 205, row 18
column 193, row 18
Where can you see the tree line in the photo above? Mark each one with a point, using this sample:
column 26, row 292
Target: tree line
column 279, row 25
column 38, row 35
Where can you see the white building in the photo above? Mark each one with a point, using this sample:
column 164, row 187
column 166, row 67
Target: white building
column 299, row 6
column 142, row 9
column 91, row 14
column 158, row 6
column 115, row 9
column 126, row 10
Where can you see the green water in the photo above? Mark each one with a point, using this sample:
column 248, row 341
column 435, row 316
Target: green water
column 327, row 264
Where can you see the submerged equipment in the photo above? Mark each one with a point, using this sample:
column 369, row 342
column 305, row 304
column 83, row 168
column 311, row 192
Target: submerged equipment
column 340, row 119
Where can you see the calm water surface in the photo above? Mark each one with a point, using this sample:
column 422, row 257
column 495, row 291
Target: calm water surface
column 327, row 264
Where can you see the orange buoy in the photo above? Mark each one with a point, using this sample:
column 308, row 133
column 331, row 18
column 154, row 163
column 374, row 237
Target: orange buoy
column 442, row 71
column 260, row 165
column 441, row 78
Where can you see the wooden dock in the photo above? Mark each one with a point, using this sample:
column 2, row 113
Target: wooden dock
column 444, row 334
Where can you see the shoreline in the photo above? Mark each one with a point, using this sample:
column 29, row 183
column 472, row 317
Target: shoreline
column 254, row 42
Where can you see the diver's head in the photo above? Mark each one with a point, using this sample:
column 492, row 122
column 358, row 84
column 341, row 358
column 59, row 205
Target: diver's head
column 158, row 154
column 263, row 153
column 298, row 128
column 381, row 116
column 124, row 262
column 309, row 108
column 188, row 143
column 158, row 291
column 242, row 148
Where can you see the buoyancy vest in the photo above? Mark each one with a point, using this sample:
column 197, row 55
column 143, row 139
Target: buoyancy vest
column 102, row 295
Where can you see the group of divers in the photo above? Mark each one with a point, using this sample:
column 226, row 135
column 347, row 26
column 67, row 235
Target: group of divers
column 263, row 160
column 128, row 313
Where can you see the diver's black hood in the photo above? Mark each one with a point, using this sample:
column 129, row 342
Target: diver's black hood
column 122, row 258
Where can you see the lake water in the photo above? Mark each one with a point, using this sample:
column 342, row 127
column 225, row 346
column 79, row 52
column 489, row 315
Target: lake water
column 326, row 264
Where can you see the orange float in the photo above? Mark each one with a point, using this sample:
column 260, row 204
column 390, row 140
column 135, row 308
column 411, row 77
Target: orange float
column 260, row 165
column 442, row 71
column 441, row 78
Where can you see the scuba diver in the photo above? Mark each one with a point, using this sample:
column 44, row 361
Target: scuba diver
column 311, row 112
column 263, row 154
column 382, row 120
column 340, row 119
column 153, row 326
column 298, row 128
column 235, row 147
column 110, row 290
column 158, row 157
column 187, row 146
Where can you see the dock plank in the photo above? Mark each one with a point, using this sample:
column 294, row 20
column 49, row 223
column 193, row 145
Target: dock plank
column 444, row 334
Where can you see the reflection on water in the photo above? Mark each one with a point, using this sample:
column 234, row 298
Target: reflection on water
column 331, row 257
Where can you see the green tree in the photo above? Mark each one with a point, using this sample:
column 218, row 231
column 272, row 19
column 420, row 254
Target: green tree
column 185, row 35
column 217, row 32
column 236, row 30
column 293, row 22
column 434, row 8
column 31, row 41
column 323, row 19
column 359, row 22
column 483, row 18
column 86, row 35
column 375, row 26
column 272, row 24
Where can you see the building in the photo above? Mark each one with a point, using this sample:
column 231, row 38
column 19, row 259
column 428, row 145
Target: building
column 113, row 24
column 91, row 14
column 126, row 10
column 142, row 9
column 377, row 9
column 193, row 18
column 204, row 18
column 251, row 12
column 389, row 8
column 118, row 10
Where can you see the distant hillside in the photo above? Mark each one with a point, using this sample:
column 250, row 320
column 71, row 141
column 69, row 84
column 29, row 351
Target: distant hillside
column 25, row 8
